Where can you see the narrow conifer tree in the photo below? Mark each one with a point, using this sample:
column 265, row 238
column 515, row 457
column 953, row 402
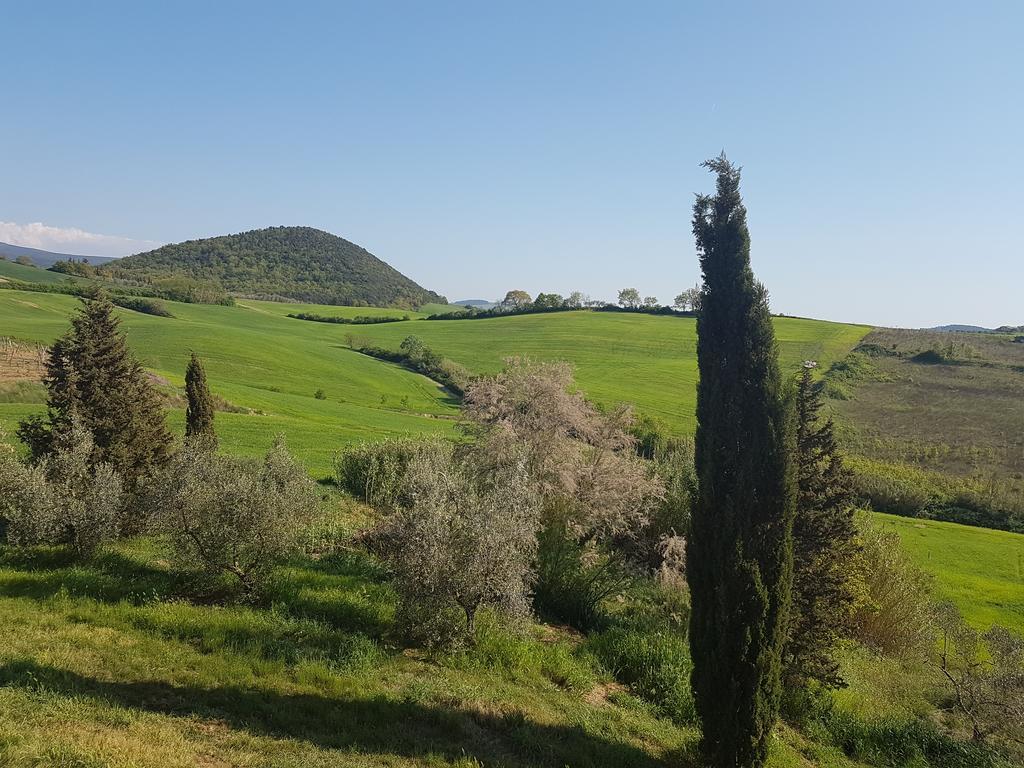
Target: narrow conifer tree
column 739, row 558
column 825, row 548
column 199, row 414
column 91, row 372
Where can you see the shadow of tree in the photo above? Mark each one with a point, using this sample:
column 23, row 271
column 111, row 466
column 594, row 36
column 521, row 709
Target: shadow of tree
column 369, row 725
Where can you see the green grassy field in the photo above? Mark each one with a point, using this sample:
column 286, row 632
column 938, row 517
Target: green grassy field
column 12, row 271
column 258, row 358
column 980, row 570
column 646, row 360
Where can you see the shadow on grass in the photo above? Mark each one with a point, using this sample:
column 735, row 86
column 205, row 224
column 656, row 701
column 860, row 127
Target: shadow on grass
column 109, row 577
column 371, row 725
column 329, row 611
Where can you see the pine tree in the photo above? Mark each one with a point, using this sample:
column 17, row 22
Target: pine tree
column 199, row 414
column 91, row 372
column 739, row 555
column 824, row 548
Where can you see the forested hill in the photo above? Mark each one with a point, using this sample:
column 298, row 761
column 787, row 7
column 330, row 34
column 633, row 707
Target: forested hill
column 298, row 263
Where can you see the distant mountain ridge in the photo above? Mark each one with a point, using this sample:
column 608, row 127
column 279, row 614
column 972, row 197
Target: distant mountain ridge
column 47, row 259
column 294, row 263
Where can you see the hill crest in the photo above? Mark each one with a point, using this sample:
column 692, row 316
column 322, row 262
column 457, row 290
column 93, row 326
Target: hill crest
column 298, row 263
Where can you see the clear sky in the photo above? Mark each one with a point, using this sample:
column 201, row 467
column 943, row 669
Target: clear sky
column 552, row 146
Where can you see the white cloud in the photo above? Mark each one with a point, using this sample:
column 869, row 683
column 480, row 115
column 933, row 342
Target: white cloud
column 71, row 240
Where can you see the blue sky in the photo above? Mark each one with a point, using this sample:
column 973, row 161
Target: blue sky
column 548, row 146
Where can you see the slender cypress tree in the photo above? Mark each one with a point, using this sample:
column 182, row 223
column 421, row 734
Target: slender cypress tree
column 739, row 558
column 825, row 548
column 199, row 414
column 91, row 372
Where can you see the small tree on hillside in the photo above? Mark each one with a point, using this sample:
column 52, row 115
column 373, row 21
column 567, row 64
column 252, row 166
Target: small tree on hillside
column 650, row 302
column 65, row 499
column 629, row 298
column 231, row 516
column 464, row 538
column 515, row 300
column 25, row 261
column 200, row 410
column 688, row 300
column 739, row 554
column 576, row 300
column 825, row 548
column 92, row 373
column 548, row 301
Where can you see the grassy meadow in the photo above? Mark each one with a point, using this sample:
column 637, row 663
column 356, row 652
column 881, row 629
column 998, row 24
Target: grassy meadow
column 264, row 362
column 980, row 570
column 272, row 365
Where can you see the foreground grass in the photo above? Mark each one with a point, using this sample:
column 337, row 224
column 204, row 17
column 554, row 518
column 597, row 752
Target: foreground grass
column 121, row 661
column 106, row 664
column 979, row 569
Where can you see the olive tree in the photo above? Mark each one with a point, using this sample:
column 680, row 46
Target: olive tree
column 985, row 675
column 233, row 516
column 597, row 493
column 64, row 499
column 464, row 538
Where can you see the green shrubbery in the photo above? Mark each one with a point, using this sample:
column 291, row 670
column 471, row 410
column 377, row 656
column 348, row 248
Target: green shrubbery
column 64, row 499
column 655, row 664
column 902, row 489
column 146, row 306
column 374, row 472
column 229, row 516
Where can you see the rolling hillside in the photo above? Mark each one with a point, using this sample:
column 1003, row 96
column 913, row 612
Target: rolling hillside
column 259, row 359
column 46, row 259
column 297, row 263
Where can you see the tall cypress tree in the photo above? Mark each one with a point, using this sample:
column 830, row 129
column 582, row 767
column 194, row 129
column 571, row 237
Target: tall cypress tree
column 739, row 558
column 199, row 414
column 825, row 547
column 91, row 372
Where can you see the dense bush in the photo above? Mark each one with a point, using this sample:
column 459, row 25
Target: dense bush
column 463, row 539
column 232, row 516
column 375, row 472
column 359, row 320
column 893, row 615
column 597, row 492
column 416, row 356
column 65, row 499
column 655, row 664
column 906, row 490
column 575, row 578
column 147, row 306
